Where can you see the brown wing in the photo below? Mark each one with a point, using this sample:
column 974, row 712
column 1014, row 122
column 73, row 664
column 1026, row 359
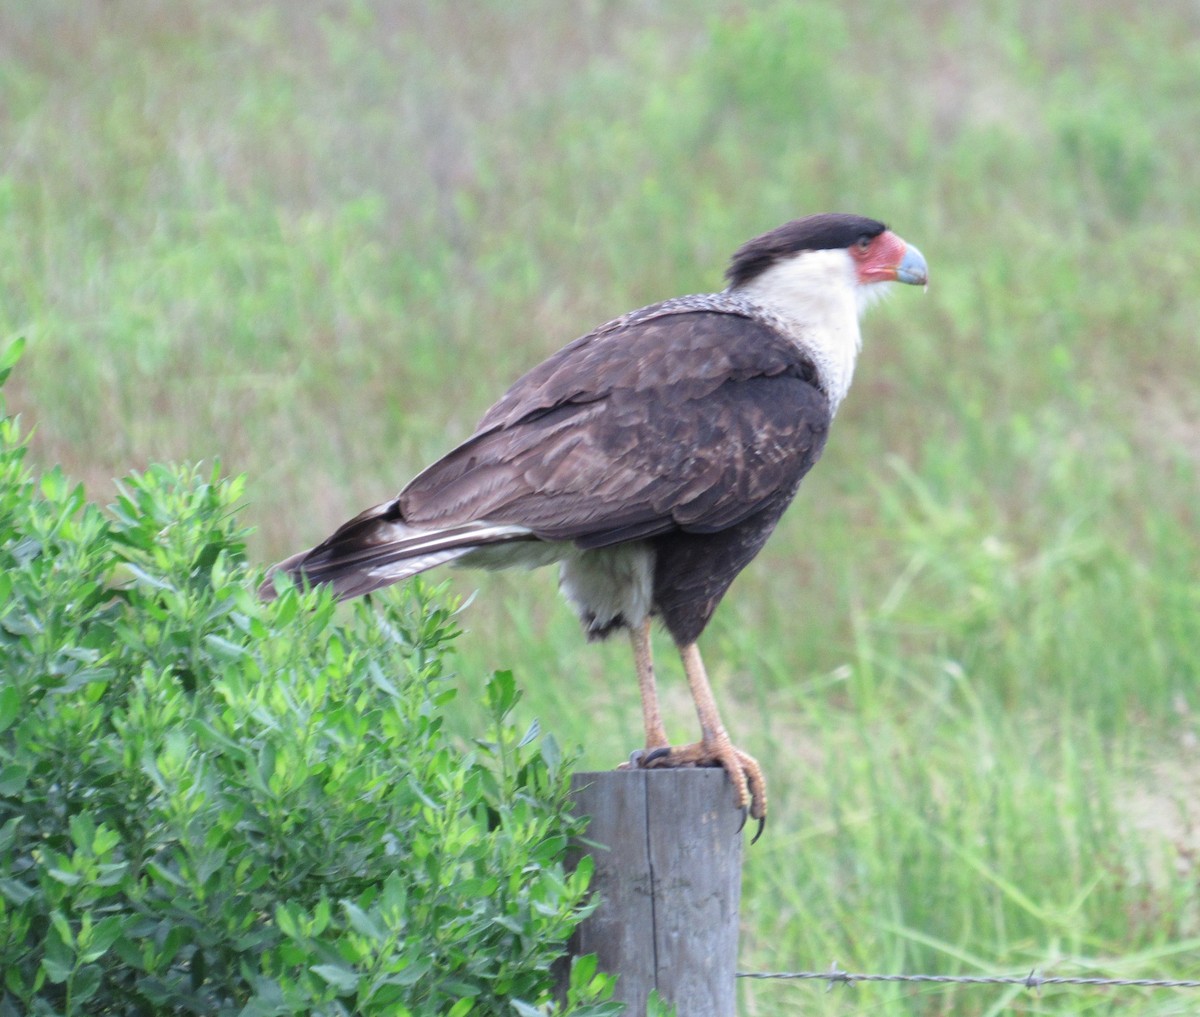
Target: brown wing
column 687, row 421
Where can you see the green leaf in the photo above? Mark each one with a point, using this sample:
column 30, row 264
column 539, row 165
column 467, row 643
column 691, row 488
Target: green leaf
column 340, row 978
column 656, row 1006
column 104, row 840
column 58, row 961
column 176, row 939
column 10, row 704
column 13, row 981
column 501, row 693
column 363, row 923
column 381, row 681
column 16, row 892
column 412, row 974
column 63, row 927
column 55, row 485
column 225, row 649
column 8, row 834
column 57, row 969
column 551, row 754
column 13, row 779
column 143, row 576
column 83, row 831
column 102, row 937
column 65, row 877
column 286, row 922
column 85, row 983
column 9, row 357
column 582, row 969
column 166, row 874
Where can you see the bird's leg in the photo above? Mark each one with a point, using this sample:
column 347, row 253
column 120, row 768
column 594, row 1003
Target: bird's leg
column 643, row 659
column 714, row 747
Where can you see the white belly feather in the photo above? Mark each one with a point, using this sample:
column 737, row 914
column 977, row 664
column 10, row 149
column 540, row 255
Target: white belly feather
column 610, row 586
column 607, row 587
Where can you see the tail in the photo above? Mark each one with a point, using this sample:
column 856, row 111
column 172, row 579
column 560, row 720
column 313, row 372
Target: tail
column 378, row 548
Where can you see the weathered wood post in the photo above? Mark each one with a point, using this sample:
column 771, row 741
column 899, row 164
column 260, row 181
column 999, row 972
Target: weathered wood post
column 669, row 878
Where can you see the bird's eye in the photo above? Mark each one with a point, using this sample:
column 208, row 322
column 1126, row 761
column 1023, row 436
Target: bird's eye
column 864, row 244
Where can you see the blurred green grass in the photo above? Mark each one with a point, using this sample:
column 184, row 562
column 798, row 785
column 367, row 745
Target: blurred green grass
column 317, row 239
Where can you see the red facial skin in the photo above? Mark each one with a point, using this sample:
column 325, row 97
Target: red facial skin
column 878, row 258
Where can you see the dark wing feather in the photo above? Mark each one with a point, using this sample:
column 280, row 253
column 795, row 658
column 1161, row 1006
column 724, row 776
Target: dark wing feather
column 648, row 351
column 687, row 421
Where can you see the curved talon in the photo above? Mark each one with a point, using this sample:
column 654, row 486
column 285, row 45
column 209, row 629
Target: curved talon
column 647, row 759
column 749, row 787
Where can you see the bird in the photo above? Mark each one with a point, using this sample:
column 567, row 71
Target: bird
column 650, row 459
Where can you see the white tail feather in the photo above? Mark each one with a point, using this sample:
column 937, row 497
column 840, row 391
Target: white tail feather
column 374, row 551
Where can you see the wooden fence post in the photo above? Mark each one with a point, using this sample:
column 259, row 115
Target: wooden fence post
column 669, row 879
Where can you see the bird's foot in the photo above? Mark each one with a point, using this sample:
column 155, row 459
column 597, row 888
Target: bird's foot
column 637, row 758
column 749, row 784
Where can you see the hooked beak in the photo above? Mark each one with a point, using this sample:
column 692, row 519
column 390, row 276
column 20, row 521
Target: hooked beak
column 912, row 268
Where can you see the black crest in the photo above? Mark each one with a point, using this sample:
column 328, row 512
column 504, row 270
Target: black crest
column 825, row 232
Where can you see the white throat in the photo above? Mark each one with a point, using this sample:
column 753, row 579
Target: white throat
column 818, row 295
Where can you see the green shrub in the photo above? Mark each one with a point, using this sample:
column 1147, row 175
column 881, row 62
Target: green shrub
column 213, row 806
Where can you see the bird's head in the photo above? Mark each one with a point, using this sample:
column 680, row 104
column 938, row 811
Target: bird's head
column 808, row 260
column 816, row 276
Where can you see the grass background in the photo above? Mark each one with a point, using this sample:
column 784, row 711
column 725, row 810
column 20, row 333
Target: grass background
column 316, row 240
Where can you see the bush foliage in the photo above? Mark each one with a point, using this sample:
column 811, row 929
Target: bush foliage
column 211, row 806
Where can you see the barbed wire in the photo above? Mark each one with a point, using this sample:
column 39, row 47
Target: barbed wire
column 1034, row 980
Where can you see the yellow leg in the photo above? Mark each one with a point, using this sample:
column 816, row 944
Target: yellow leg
column 749, row 784
column 643, row 659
